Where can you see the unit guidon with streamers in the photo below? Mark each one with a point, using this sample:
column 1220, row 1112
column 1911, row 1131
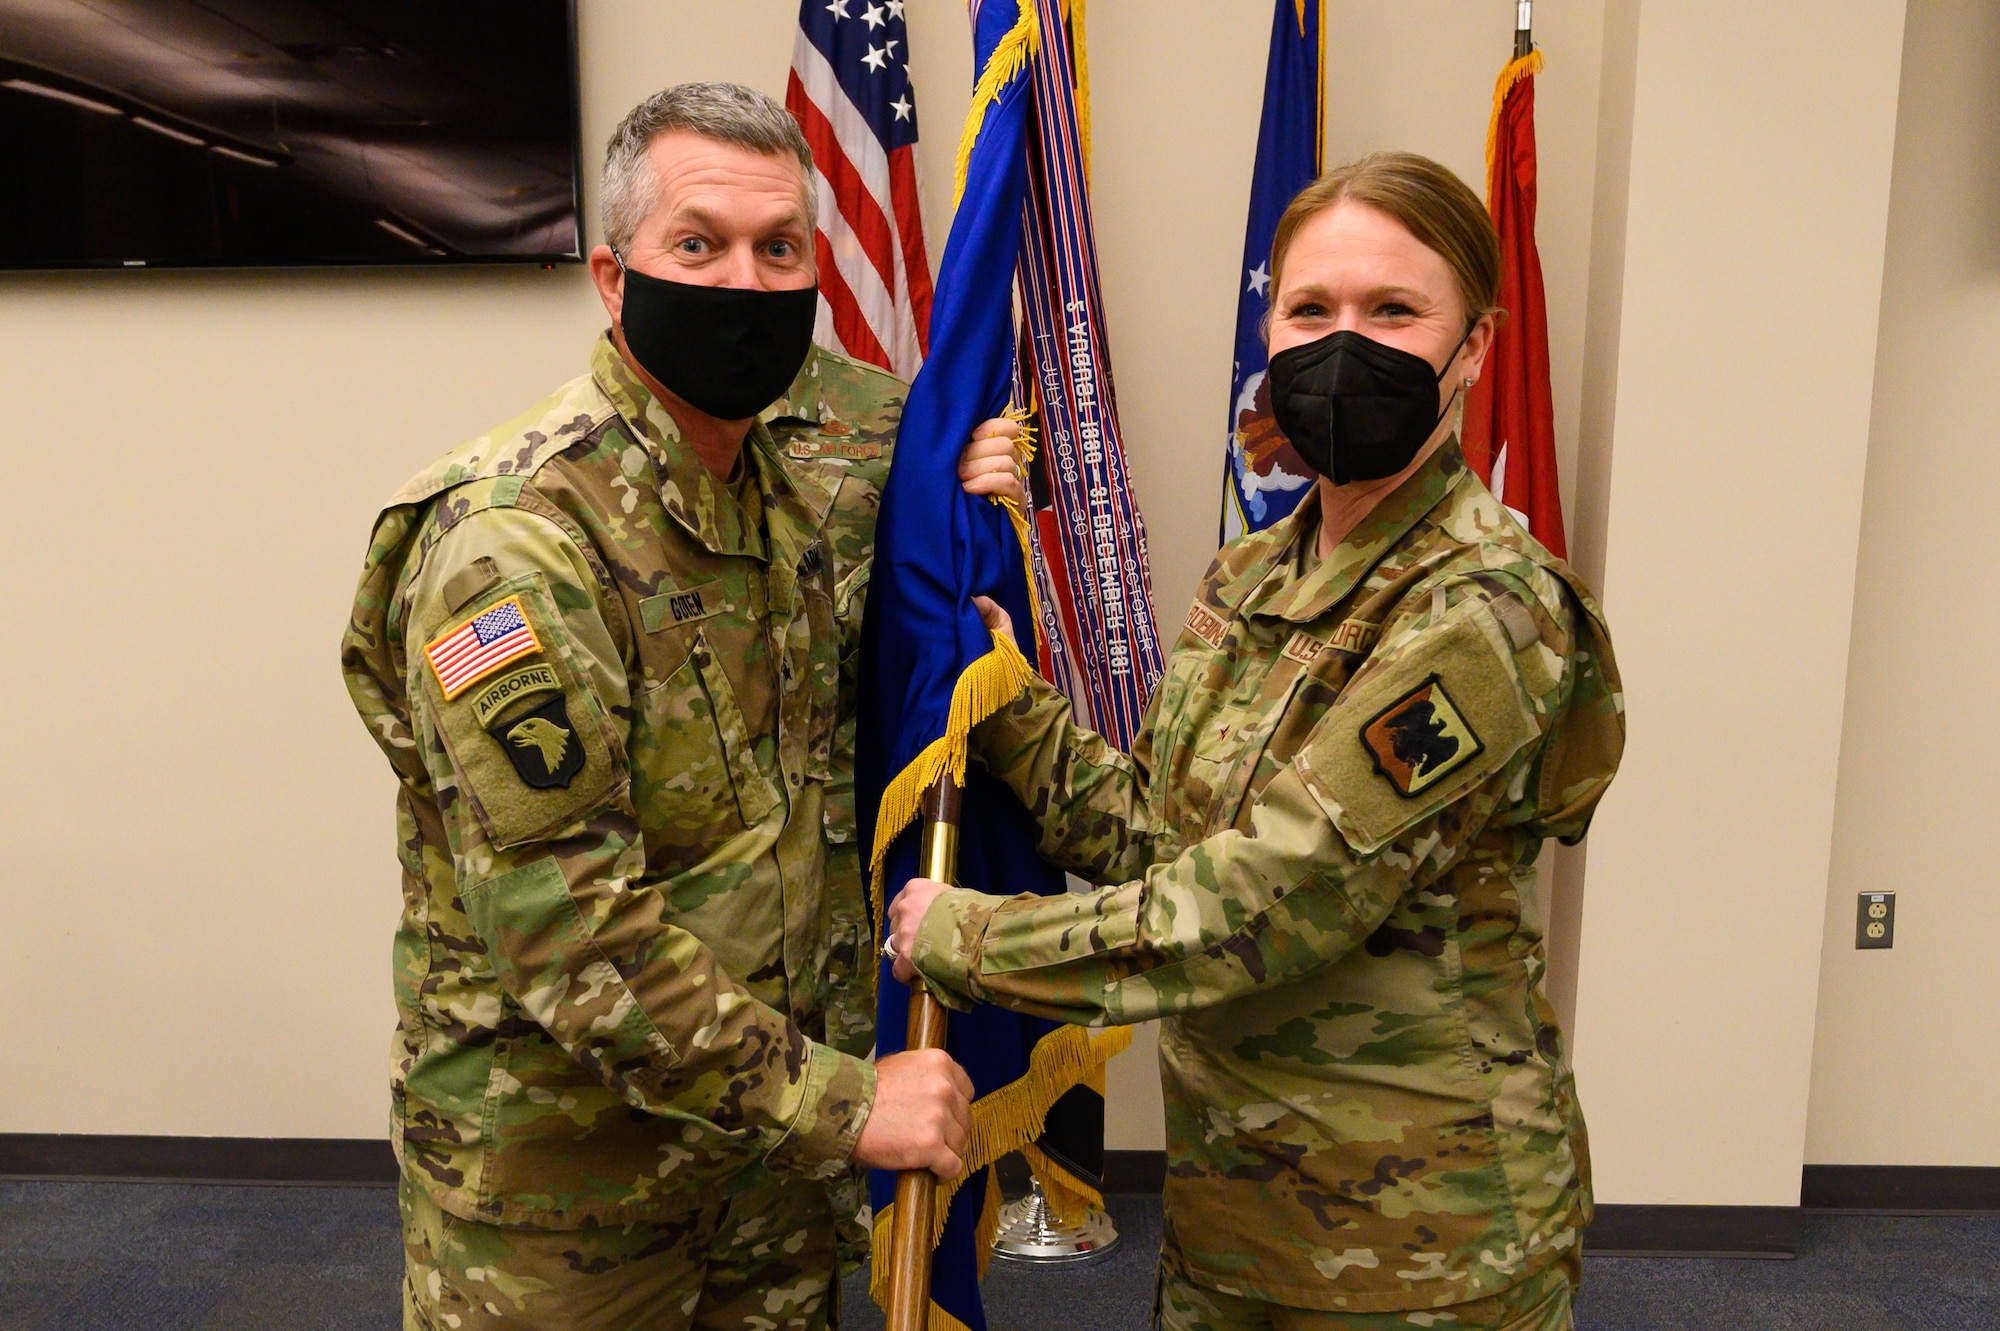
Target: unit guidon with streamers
column 480, row 646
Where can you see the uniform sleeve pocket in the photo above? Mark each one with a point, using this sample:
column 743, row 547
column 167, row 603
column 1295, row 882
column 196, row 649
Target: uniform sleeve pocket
column 1443, row 713
column 524, row 731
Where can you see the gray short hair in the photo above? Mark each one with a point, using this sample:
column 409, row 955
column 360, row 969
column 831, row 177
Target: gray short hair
column 725, row 112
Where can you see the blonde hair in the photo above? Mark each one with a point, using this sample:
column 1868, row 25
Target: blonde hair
column 1435, row 206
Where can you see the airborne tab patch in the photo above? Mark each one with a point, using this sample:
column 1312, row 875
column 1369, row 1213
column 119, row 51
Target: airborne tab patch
column 543, row 745
column 480, row 646
column 511, row 687
column 1206, row 625
column 1420, row 738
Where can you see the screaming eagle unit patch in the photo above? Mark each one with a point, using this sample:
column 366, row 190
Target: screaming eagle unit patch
column 523, row 728
column 542, row 745
column 540, row 742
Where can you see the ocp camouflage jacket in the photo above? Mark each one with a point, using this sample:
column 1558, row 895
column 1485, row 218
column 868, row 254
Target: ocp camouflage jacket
column 634, row 965
column 1318, row 864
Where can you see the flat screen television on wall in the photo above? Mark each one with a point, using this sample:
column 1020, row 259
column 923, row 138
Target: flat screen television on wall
column 226, row 133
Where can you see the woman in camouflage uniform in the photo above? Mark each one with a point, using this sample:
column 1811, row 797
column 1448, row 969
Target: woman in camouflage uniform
column 1318, row 862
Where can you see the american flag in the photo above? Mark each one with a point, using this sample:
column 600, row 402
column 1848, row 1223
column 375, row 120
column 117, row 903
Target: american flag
column 476, row 649
column 850, row 90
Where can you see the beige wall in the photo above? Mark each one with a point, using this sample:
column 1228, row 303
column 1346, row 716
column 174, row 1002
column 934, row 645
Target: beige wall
column 1171, row 180
column 1905, row 1067
column 200, row 830
column 202, row 883
column 203, row 888
column 1752, row 269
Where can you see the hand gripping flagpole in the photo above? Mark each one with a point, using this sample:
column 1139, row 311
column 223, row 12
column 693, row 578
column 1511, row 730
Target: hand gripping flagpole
column 916, row 1189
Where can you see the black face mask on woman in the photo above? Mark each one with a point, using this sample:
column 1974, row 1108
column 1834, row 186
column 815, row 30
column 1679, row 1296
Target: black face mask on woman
column 1354, row 408
column 727, row 351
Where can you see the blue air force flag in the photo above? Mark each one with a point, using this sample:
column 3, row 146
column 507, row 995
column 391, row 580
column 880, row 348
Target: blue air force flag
column 1264, row 477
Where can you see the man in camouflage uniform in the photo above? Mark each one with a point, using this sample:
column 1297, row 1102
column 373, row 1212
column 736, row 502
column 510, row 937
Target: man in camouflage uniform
column 610, row 661
column 1318, row 865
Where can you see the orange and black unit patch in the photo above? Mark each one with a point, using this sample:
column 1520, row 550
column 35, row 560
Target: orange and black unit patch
column 1420, row 739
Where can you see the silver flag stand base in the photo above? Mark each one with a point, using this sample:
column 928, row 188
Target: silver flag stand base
column 1030, row 1232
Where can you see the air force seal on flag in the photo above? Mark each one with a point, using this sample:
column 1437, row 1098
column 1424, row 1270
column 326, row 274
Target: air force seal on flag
column 1420, row 739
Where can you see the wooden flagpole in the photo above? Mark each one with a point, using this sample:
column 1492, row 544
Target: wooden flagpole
column 916, row 1189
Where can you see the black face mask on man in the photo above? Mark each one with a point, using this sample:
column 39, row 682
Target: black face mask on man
column 728, row 351
column 1354, row 408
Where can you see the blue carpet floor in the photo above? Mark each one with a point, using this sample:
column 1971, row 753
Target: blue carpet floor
column 159, row 1257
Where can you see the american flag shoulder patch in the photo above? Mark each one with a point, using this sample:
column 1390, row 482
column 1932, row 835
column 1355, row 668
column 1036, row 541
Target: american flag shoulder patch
column 475, row 649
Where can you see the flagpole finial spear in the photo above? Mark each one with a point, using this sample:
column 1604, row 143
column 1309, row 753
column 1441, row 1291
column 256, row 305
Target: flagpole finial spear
column 1524, row 28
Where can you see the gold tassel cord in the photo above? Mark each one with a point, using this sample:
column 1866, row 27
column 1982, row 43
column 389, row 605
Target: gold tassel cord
column 1024, row 417
column 1527, row 66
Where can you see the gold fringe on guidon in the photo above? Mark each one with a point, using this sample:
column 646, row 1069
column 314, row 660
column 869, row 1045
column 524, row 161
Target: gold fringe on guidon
column 987, row 685
column 1526, row 67
column 1010, row 1118
column 1006, row 1120
column 1069, row 1197
column 1010, row 56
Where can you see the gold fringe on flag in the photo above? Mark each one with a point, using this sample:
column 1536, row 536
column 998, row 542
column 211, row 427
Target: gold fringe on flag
column 1010, row 57
column 1010, row 1118
column 1068, row 1196
column 1527, row 66
column 1005, row 1121
column 987, row 685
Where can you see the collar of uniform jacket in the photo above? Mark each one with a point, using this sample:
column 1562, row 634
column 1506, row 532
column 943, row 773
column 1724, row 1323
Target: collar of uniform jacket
column 1301, row 587
column 692, row 494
